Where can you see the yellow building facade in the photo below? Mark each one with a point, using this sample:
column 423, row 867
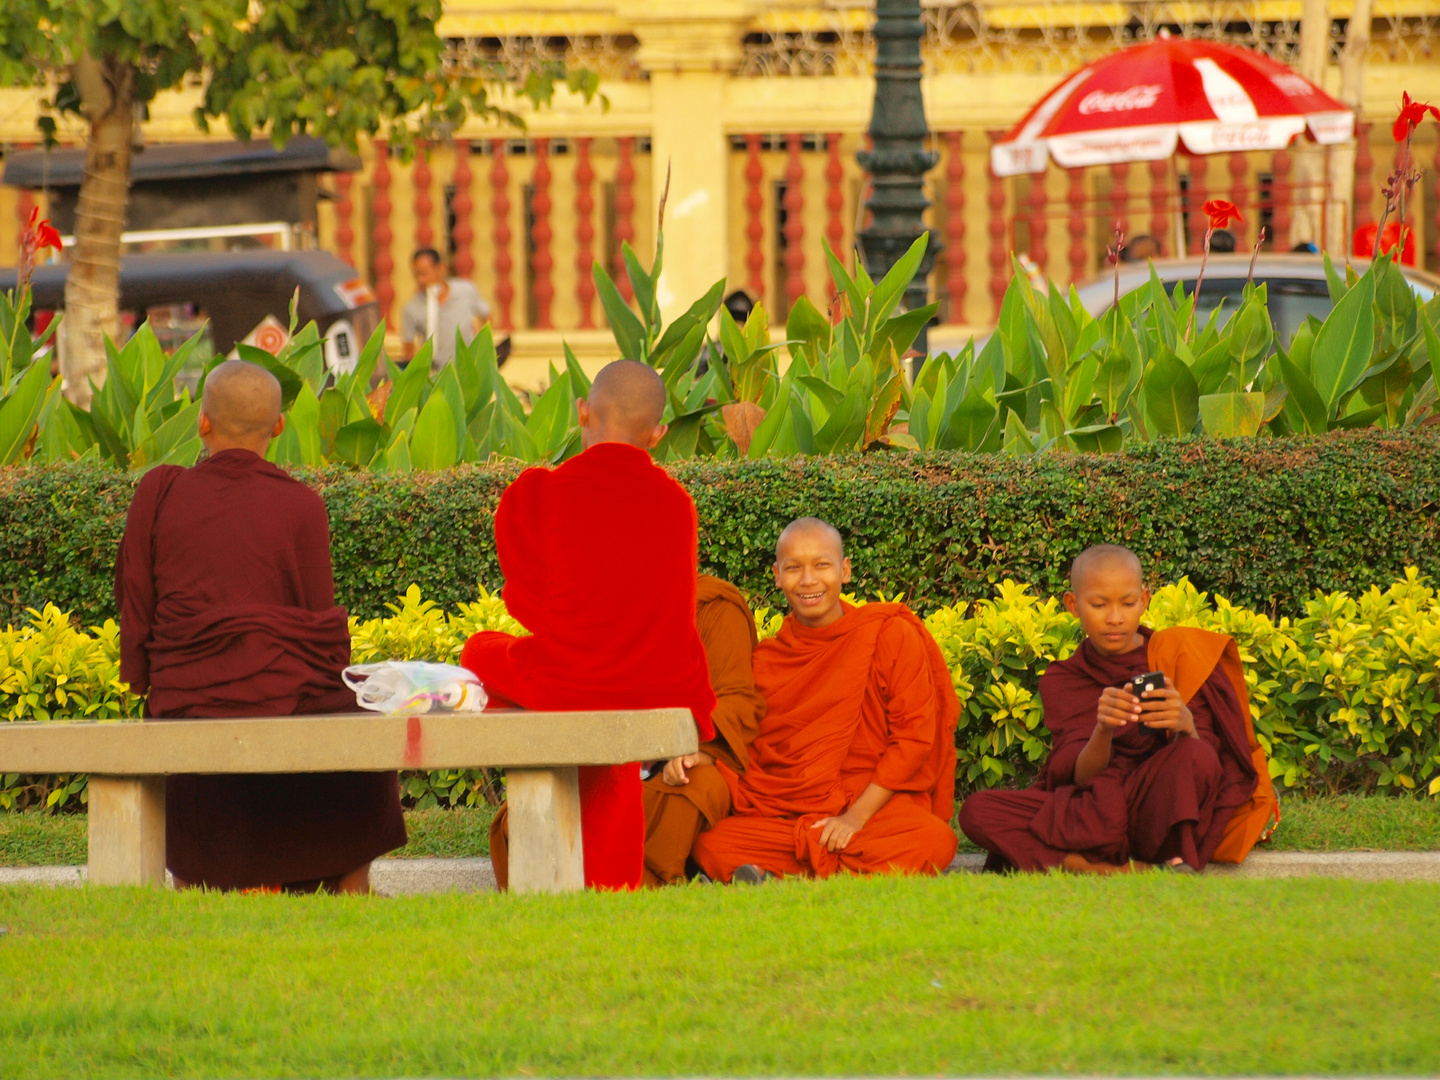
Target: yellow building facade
column 755, row 110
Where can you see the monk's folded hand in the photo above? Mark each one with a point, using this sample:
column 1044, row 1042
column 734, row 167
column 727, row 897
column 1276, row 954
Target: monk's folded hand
column 676, row 772
column 1117, row 708
column 1165, row 710
column 837, row 832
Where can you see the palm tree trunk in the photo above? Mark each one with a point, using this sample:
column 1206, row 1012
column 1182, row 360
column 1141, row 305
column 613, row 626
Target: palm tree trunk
column 92, row 289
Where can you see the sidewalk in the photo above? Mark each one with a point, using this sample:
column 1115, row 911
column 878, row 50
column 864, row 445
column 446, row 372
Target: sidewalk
column 415, row 877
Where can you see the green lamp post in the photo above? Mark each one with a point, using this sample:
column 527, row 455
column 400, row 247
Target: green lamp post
column 899, row 161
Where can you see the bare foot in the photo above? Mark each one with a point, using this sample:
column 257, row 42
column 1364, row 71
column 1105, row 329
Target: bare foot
column 356, row 881
column 1078, row 864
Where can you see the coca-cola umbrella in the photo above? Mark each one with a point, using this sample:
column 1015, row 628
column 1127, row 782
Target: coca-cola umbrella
column 1142, row 103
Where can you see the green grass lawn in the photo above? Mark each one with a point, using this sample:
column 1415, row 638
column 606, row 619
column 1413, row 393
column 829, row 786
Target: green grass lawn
column 1348, row 823
column 1153, row 974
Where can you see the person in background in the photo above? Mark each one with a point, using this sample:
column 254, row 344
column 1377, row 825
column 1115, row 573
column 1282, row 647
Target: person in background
column 740, row 305
column 443, row 306
column 1141, row 249
column 1222, row 242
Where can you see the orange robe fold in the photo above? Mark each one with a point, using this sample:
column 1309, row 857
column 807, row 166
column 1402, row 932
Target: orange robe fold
column 599, row 557
column 674, row 816
column 867, row 699
column 1159, row 798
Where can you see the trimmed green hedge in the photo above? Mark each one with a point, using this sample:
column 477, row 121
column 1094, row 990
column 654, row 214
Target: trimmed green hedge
column 1262, row 522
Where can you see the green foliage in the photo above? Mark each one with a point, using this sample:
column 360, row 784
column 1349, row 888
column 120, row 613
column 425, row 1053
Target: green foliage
column 28, row 394
column 1051, row 378
column 1054, row 378
column 1263, row 523
column 1344, row 696
column 332, row 68
column 50, row 669
column 417, row 629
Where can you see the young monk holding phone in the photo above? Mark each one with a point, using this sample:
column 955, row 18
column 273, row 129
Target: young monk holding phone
column 1166, row 770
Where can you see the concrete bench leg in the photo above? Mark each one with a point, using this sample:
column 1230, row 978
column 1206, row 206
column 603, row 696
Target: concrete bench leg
column 546, row 853
column 127, row 830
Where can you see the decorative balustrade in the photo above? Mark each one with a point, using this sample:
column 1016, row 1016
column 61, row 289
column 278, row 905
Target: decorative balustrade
column 1048, row 36
column 528, row 224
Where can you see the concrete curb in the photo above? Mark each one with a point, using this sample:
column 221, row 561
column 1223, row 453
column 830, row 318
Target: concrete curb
column 1355, row 865
column 419, row 877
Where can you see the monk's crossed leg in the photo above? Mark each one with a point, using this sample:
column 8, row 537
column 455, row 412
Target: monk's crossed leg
column 902, row 837
column 768, row 843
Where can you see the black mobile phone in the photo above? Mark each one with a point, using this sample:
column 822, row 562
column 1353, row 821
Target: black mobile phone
column 1151, row 680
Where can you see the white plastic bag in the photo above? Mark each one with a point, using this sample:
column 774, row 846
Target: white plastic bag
column 415, row 686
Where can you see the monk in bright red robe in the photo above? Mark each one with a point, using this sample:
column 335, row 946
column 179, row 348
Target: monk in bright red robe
column 1173, row 777
column 854, row 763
column 687, row 794
column 600, row 557
column 227, row 608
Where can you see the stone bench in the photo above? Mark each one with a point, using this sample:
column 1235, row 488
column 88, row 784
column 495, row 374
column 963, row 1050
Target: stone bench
column 128, row 763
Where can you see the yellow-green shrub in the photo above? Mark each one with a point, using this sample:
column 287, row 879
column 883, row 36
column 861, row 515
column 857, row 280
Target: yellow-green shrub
column 417, row 629
column 48, row 669
column 1344, row 695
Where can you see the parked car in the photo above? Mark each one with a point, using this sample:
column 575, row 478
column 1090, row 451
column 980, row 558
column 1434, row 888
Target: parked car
column 239, row 293
column 1296, row 285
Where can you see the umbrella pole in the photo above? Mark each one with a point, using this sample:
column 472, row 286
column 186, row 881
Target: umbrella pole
column 1180, row 245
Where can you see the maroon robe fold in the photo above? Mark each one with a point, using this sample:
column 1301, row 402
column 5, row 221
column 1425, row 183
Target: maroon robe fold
column 227, row 608
column 1158, row 799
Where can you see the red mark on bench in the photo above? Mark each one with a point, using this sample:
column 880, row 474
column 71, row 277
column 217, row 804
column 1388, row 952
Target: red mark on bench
column 413, row 736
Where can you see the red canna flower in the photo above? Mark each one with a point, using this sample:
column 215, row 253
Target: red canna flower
column 40, row 234
column 37, row 236
column 1411, row 113
column 1221, row 212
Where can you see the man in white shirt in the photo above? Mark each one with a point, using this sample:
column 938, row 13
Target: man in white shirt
column 442, row 306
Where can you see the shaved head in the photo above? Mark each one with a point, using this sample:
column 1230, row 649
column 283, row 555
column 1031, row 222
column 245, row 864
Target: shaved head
column 242, row 401
column 1101, row 558
column 627, row 403
column 811, row 570
column 811, row 528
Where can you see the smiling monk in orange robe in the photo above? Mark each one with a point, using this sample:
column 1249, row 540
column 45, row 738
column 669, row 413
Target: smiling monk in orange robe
column 690, row 794
column 854, row 764
column 1174, row 777
column 600, row 559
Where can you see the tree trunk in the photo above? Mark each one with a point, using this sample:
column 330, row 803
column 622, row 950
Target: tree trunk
column 92, row 289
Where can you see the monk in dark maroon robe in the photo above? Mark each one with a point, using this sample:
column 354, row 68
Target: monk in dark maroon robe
column 227, row 608
column 599, row 557
column 1157, row 778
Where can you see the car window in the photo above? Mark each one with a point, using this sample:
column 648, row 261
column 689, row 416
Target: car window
column 1290, row 301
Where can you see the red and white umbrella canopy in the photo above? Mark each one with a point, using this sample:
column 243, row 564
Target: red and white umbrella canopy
column 1139, row 103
